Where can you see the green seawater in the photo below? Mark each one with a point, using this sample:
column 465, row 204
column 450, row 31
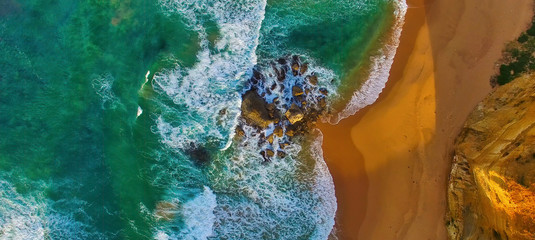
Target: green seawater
column 76, row 160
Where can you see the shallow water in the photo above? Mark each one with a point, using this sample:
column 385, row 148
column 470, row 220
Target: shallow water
column 102, row 103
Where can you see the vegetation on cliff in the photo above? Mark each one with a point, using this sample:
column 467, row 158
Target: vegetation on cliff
column 518, row 58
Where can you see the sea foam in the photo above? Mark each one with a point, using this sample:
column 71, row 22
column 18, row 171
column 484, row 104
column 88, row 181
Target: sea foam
column 208, row 92
column 20, row 217
column 198, row 216
column 33, row 216
column 380, row 70
column 247, row 198
column 323, row 186
column 277, row 200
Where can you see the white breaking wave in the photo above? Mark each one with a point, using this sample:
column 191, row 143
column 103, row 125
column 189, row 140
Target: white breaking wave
column 282, row 199
column 32, row 216
column 323, row 186
column 199, row 218
column 199, row 215
column 380, row 70
column 324, row 80
column 208, row 92
column 276, row 200
column 20, row 217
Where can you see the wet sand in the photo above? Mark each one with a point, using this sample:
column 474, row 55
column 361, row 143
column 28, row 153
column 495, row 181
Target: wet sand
column 390, row 161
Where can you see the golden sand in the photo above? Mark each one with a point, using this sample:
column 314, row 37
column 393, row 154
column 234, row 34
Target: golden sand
column 390, row 161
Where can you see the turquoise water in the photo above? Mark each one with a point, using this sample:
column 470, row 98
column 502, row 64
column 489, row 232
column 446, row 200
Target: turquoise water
column 102, row 102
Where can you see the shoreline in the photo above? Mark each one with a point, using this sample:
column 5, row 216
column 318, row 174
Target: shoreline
column 391, row 177
column 379, row 69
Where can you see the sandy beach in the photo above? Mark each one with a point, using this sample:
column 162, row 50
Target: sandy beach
column 390, row 161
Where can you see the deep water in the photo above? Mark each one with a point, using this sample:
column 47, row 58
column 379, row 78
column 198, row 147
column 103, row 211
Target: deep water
column 117, row 118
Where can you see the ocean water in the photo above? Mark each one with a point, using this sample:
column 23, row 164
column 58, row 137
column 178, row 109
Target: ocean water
column 118, row 118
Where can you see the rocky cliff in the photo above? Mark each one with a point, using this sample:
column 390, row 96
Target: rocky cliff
column 491, row 192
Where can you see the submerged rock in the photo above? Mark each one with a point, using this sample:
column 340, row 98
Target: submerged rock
column 281, row 154
column 200, row 155
column 9, row 7
column 279, row 72
column 324, row 91
column 166, row 210
column 491, row 193
column 263, row 154
column 257, row 75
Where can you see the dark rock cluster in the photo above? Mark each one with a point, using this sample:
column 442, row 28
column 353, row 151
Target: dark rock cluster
column 282, row 101
column 199, row 154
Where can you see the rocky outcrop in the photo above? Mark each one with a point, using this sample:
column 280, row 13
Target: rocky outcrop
column 294, row 114
column 491, row 192
column 255, row 110
column 282, row 100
